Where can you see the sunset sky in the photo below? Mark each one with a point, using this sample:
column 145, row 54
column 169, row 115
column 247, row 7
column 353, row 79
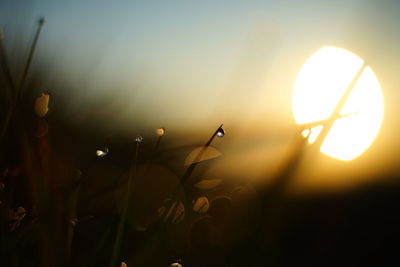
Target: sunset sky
column 196, row 63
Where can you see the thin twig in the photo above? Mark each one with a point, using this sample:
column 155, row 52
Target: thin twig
column 29, row 59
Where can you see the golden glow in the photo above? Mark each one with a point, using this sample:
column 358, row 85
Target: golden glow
column 320, row 85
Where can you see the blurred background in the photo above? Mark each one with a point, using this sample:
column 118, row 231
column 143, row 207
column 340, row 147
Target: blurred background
column 118, row 69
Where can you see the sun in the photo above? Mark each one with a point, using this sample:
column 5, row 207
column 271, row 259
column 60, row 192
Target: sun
column 325, row 80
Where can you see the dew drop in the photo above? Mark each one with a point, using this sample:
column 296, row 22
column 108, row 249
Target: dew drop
column 74, row 222
column 139, row 139
column 176, row 264
column 102, row 151
column 160, row 131
column 221, row 132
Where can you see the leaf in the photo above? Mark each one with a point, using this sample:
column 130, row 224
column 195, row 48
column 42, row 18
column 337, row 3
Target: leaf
column 15, row 217
column 200, row 154
column 172, row 211
column 201, row 205
column 208, row 184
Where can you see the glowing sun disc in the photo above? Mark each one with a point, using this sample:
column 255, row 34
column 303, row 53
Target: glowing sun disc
column 320, row 85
